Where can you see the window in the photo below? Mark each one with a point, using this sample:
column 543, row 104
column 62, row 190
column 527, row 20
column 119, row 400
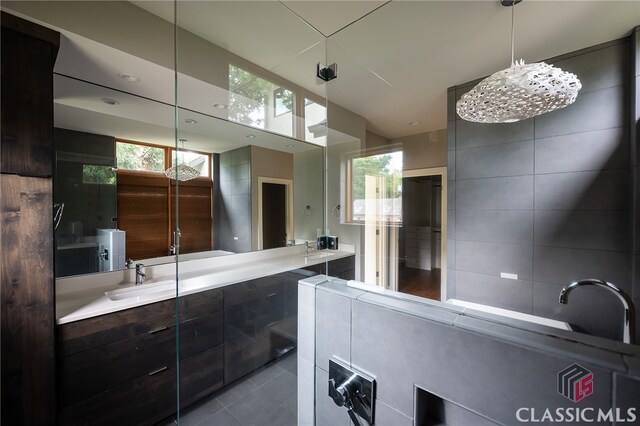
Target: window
column 260, row 103
column 93, row 173
column 197, row 160
column 137, row 156
column 374, row 190
column 141, row 156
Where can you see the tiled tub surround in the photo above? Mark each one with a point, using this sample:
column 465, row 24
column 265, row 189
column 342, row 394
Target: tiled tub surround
column 482, row 368
column 549, row 199
column 82, row 297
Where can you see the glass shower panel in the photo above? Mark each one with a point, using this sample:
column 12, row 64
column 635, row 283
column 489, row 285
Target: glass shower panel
column 245, row 83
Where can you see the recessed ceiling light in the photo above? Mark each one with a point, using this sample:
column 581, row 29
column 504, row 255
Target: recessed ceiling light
column 190, row 121
column 220, row 106
column 110, row 101
column 251, row 136
column 413, row 123
column 129, row 77
column 290, row 145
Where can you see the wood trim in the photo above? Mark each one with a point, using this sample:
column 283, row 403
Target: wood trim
column 30, row 29
column 140, row 177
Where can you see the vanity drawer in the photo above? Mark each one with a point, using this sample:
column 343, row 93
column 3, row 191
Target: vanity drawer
column 96, row 370
column 415, row 252
column 417, row 229
column 200, row 334
column 142, row 401
column 417, row 235
column 201, row 374
column 420, row 244
column 202, row 303
column 258, row 289
column 94, row 332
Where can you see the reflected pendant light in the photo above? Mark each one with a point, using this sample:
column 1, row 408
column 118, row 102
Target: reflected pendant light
column 519, row 92
column 181, row 171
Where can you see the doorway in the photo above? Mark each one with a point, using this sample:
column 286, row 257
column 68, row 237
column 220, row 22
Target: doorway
column 275, row 201
column 421, row 257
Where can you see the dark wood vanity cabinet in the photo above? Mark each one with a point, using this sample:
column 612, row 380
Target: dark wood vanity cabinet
column 120, row 368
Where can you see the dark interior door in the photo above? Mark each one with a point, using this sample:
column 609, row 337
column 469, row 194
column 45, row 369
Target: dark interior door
column 274, row 215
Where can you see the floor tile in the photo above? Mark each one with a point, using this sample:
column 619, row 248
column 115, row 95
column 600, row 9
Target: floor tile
column 235, row 392
column 266, row 374
column 290, row 363
column 200, row 411
column 221, row 418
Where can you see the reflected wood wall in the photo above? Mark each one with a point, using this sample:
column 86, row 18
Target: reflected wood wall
column 146, row 212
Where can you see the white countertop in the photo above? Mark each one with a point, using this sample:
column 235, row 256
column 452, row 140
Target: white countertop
column 82, row 297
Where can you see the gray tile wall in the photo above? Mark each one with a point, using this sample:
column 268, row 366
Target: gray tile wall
column 482, row 371
column 235, row 200
column 549, row 198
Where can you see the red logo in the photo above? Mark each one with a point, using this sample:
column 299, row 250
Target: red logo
column 575, row 382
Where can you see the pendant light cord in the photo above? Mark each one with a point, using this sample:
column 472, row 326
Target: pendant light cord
column 513, row 14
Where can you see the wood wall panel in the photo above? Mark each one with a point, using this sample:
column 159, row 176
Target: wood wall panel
column 27, row 126
column 194, row 216
column 27, row 309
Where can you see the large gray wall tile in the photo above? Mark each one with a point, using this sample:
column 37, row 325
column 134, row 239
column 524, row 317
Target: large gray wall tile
column 451, row 254
column 333, row 328
column 565, row 265
column 600, row 109
column 306, row 323
column 470, row 135
column 493, row 259
column 592, row 310
column 306, row 392
column 451, row 104
column 241, row 156
column 596, row 150
column 468, row 369
column 627, row 391
column 495, row 226
column 451, row 165
column 507, row 159
column 515, row 295
column 451, row 224
column 456, row 415
column 451, row 195
column 586, row 229
column 387, row 416
column 599, row 69
column 451, row 136
column 600, row 190
column 504, row 193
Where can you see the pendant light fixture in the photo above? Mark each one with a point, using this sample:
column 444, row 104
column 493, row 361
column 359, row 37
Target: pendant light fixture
column 519, row 92
column 181, row 171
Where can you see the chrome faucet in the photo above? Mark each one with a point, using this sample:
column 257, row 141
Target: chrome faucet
column 307, row 247
column 140, row 275
column 629, row 310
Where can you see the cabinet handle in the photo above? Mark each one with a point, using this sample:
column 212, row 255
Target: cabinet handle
column 159, row 370
column 157, row 330
column 271, row 295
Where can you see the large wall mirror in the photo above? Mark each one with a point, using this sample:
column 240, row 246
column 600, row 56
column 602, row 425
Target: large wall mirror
column 132, row 102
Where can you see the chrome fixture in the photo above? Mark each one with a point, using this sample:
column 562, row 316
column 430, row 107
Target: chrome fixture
column 307, row 247
column 520, row 91
column 354, row 391
column 629, row 310
column 327, row 73
column 140, row 275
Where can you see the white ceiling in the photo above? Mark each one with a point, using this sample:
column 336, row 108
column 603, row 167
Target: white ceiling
column 398, row 58
column 395, row 61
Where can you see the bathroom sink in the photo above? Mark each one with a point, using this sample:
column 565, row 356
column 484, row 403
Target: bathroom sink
column 145, row 290
column 319, row 255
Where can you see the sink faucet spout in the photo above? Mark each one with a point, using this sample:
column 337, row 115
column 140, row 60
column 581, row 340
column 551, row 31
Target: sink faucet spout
column 140, row 275
column 627, row 303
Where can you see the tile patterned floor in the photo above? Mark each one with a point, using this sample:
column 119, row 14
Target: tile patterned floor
column 268, row 397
